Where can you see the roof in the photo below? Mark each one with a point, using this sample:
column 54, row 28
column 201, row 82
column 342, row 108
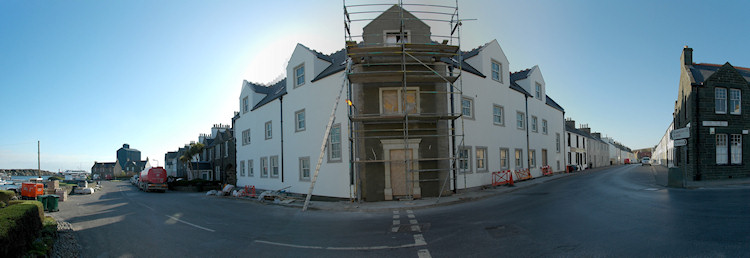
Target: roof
column 581, row 132
column 520, row 75
column 702, row 71
column 272, row 92
column 553, row 104
column 338, row 64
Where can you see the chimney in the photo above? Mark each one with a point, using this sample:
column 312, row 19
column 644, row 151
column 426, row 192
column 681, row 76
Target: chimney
column 570, row 123
column 585, row 128
column 126, row 146
column 597, row 135
column 687, row 56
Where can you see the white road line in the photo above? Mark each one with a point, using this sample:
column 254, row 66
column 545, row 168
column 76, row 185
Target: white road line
column 413, row 221
column 409, row 211
column 394, row 229
column 418, row 241
column 424, row 253
column 415, row 228
column 395, row 212
column 396, row 222
column 191, row 224
column 411, row 216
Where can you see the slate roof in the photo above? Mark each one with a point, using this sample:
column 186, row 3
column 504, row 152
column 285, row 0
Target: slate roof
column 702, row 71
column 581, row 132
column 272, row 92
column 338, row 64
column 553, row 104
column 520, row 75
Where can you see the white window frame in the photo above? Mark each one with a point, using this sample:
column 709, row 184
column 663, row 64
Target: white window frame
column 245, row 105
column 242, row 168
column 518, row 158
column 720, row 100
column 557, row 142
column 399, row 98
column 300, row 123
column 481, row 160
column 501, row 114
column 269, row 130
column 520, row 121
column 264, row 167
column 504, row 162
column 497, row 74
column 735, row 145
column 534, row 124
column 245, row 137
column 532, row 158
column 334, row 141
column 298, row 76
column 250, row 168
column 545, row 129
column 464, row 159
column 545, row 157
column 226, row 149
column 470, row 108
column 302, row 168
column 538, row 88
column 386, row 33
column 274, row 160
column 735, row 105
column 722, row 148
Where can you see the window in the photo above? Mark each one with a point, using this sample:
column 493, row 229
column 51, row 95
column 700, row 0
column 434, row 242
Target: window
column 268, row 130
column 721, row 149
column 497, row 71
column 245, row 105
column 538, row 91
column 532, row 158
column 299, row 121
column 520, row 120
column 544, row 158
column 736, row 150
column 274, row 166
column 464, row 159
column 577, row 141
column 226, row 149
column 497, row 115
column 544, row 126
column 481, row 153
column 391, row 100
column 467, row 107
column 395, row 37
column 242, row 168
column 246, row 137
column 557, row 142
column 217, row 151
column 534, row 124
column 250, row 168
column 304, row 168
column 299, row 75
column 503, row 158
column 519, row 158
column 569, row 140
column 735, row 99
column 334, row 143
column 264, row 167
column 721, row 100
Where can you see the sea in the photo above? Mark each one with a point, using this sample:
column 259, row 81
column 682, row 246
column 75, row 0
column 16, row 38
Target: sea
column 18, row 180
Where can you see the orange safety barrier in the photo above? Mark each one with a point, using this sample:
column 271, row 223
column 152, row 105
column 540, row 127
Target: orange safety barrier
column 502, row 178
column 523, row 174
column 547, row 171
column 249, row 191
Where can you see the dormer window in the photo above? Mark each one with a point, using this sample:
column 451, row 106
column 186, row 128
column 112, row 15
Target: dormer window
column 538, row 91
column 245, row 105
column 497, row 71
column 396, row 37
column 299, row 75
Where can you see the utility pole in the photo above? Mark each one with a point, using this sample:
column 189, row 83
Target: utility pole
column 38, row 161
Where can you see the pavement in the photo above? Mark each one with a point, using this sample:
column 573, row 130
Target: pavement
column 467, row 195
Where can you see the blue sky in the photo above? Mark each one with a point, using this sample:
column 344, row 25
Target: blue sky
column 84, row 77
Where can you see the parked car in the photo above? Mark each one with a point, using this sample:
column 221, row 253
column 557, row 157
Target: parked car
column 646, row 161
column 134, row 180
column 627, row 161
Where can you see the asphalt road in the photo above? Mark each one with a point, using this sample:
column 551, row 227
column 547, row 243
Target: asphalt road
column 612, row 212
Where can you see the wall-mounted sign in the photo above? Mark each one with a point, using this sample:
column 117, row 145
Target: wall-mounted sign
column 715, row 123
column 681, row 133
column 680, row 142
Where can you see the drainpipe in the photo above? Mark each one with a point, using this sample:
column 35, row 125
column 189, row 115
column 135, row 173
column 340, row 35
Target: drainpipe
column 697, row 126
column 281, row 127
column 528, row 151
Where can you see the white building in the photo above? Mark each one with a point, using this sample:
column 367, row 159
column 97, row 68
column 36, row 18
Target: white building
column 664, row 151
column 575, row 146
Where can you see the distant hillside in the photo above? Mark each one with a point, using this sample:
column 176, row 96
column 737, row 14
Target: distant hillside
column 25, row 172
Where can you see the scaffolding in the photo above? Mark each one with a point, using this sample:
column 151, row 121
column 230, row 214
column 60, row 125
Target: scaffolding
column 417, row 82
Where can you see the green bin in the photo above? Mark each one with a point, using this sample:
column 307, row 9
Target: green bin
column 43, row 200
column 52, row 202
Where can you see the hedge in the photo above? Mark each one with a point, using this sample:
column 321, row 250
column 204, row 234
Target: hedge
column 20, row 224
column 6, row 195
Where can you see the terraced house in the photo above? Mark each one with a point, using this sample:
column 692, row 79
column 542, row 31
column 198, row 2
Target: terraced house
column 416, row 117
column 711, row 106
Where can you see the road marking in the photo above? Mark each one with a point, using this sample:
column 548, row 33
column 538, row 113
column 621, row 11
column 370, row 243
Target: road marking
column 394, row 229
column 191, row 224
column 651, row 189
column 424, row 253
column 415, row 228
column 395, row 212
column 418, row 241
column 413, row 221
column 411, row 216
column 396, row 222
column 395, row 216
column 409, row 211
